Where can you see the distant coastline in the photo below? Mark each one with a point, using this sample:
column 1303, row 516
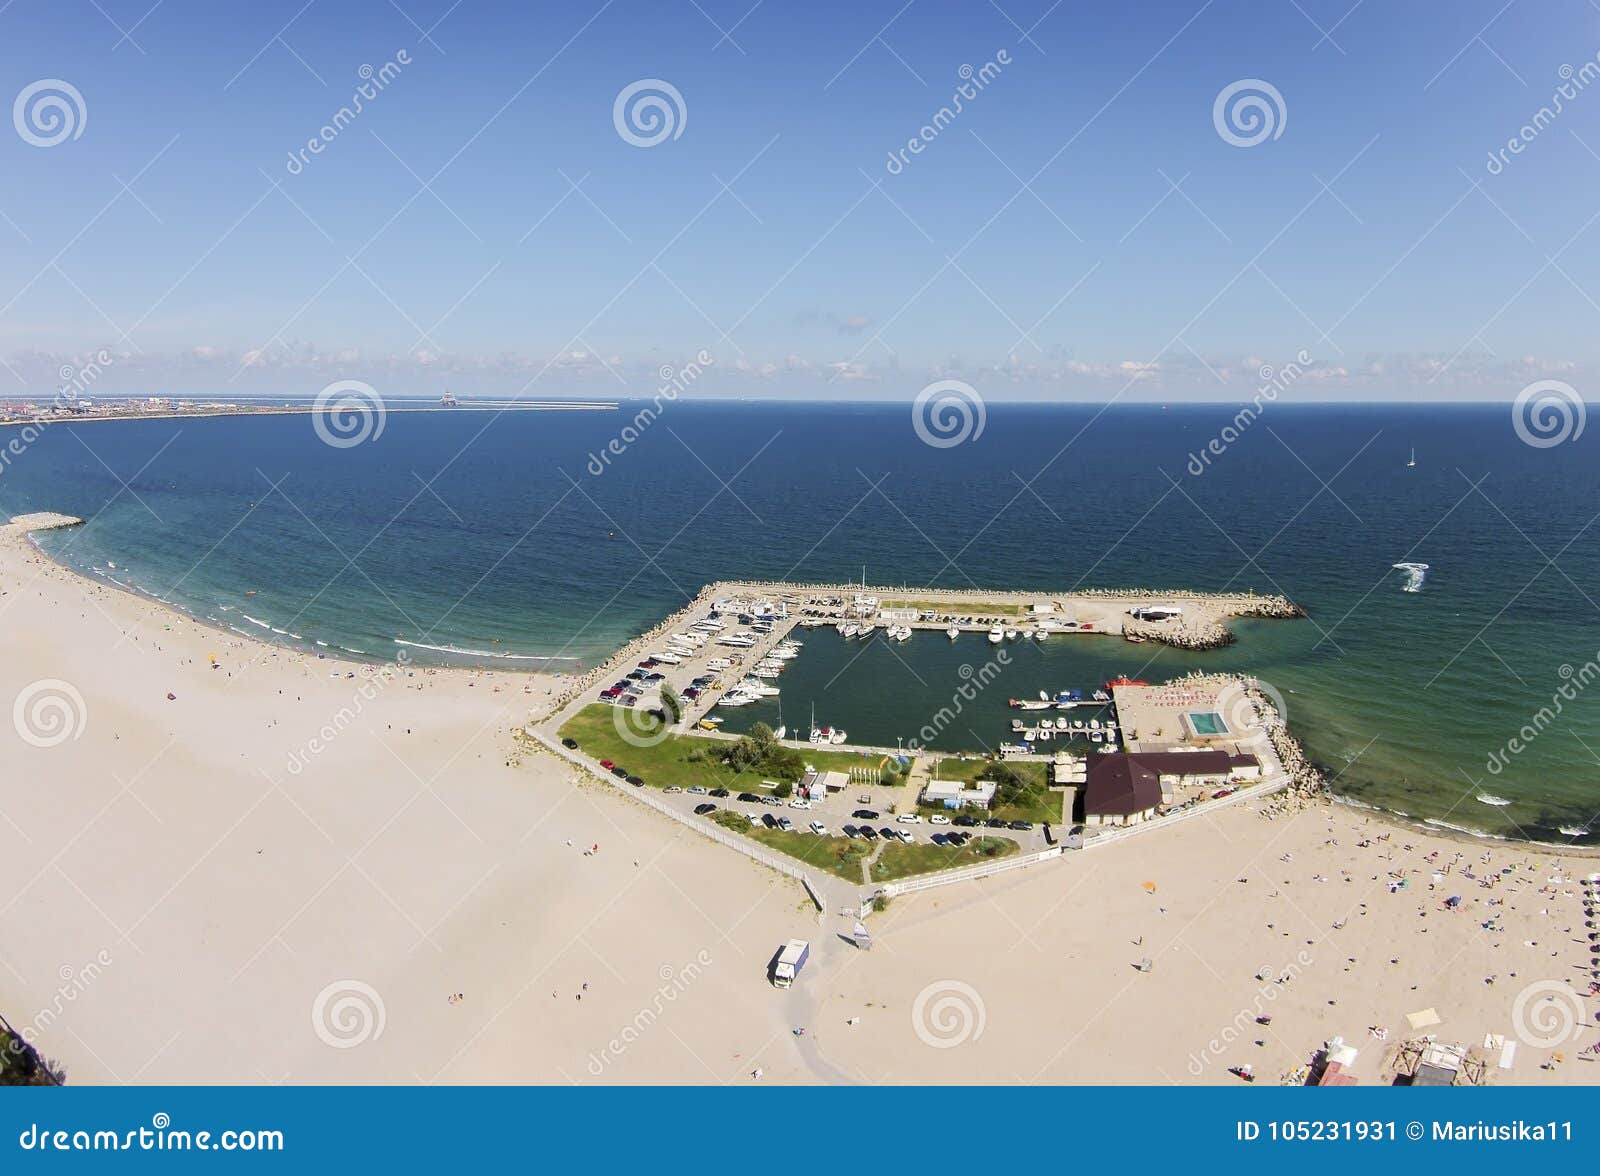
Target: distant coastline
column 196, row 411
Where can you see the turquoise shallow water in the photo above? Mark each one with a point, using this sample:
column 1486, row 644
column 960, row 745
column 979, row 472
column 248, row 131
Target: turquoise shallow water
column 502, row 541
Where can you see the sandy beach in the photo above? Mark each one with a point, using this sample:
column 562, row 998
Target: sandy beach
column 300, row 870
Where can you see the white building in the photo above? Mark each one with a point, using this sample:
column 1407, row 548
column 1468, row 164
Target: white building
column 957, row 794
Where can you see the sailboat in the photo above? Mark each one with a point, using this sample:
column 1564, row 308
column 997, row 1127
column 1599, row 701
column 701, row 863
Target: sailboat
column 1413, row 462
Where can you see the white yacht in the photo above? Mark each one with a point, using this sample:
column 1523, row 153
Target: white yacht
column 952, row 632
column 848, row 629
column 996, row 635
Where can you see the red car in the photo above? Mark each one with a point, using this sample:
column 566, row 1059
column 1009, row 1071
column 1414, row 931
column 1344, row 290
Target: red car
column 607, row 765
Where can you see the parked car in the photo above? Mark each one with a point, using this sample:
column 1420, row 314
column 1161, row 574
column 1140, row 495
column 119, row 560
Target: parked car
column 891, row 834
column 636, row 781
column 797, row 803
column 909, row 819
column 672, row 788
column 607, row 765
column 905, row 836
column 719, row 792
column 569, row 744
column 1020, row 825
column 851, row 832
column 865, row 814
column 819, row 828
column 620, row 773
column 698, row 789
column 749, row 798
column 769, row 820
column 967, row 822
column 938, row 819
column 957, row 839
column 868, row 833
column 786, row 824
column 995, row 823
column 701, row 810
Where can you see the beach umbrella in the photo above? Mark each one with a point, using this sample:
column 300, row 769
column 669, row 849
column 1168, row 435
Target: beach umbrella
column 1150, row 887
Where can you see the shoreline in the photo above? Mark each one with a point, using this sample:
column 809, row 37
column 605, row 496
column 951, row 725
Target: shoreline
column 26, row 526
column 563, row 688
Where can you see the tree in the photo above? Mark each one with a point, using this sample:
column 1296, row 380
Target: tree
column 671, row 704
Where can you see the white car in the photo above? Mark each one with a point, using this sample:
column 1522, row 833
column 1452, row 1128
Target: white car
column 909, row 819
column 938, row 820
column 905, row 835
column 698, row 789
column 819, row 828
column 799, row 804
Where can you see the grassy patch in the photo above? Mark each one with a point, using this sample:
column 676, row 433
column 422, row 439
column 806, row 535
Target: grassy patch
column 959, row 608
column 902, row 861
column 836, row 855
column 1033, row 800
column 669, row 762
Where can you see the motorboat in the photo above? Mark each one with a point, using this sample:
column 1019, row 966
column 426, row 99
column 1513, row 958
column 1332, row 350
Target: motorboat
column 952, row 632
column 996, row 635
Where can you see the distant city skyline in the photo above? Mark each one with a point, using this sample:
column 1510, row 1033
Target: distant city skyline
column 1169, row 203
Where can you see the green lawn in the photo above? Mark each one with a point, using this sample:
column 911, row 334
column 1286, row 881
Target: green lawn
column 901, row 861
column 963, row 608
column 836, row 855
column 668, row 763
column 1038, row 803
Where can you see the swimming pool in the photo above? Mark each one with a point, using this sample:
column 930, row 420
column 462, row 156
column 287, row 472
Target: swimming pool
column 1205, row 723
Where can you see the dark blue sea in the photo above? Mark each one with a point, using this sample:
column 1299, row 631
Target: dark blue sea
column 497, row 535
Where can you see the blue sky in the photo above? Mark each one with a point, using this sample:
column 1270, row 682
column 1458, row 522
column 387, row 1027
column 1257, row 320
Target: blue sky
column 1146, row 257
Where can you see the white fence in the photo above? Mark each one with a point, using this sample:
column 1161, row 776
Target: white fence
column 784, row 865
column 967, row 873
column 1254, row 792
